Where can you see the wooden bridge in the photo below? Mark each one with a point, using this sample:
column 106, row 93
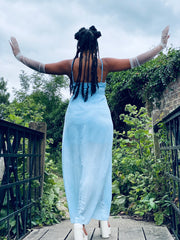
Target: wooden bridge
column 122, row 228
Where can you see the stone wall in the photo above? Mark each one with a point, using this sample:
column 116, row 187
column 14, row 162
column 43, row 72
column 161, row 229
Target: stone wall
column 169, row 101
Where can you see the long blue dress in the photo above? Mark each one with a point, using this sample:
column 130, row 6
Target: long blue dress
column 87, row 156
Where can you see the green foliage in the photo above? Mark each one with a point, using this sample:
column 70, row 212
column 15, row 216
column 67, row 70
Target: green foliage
column 24, row 112
column 3, row 226
column 141, row 85
column 138, row 177
column 39, row 99
column 45, row 92
column 48, row 212
column 4, row 95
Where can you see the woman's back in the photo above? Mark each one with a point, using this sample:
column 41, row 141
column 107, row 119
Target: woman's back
column 85, row 71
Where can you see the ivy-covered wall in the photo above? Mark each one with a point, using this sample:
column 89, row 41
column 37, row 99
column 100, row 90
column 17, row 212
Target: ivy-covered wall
column 154, row 85
column 168, row 102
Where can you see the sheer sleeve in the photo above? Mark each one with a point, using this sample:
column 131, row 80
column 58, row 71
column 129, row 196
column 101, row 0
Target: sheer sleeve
column 142, row 58
column 35, row 65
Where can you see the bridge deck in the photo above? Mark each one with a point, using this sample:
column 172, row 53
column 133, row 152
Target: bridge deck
column 122, row 228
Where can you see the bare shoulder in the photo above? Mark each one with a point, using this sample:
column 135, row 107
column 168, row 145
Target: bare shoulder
column 60, row 68
column 115, row 64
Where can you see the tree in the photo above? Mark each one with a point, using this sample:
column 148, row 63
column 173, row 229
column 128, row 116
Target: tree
column 40, row 99
column 4, row 95
column 45, row 91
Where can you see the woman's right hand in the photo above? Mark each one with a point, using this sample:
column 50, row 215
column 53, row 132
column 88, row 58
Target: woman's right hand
column 15, row 47
column 164, row 36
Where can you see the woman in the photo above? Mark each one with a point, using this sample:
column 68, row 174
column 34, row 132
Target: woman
column 88, row 129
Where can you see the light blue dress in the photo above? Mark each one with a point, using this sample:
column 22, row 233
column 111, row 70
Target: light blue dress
column 87, row 156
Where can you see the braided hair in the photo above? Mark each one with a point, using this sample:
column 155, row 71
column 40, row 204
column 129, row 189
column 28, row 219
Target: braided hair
column 88, row 46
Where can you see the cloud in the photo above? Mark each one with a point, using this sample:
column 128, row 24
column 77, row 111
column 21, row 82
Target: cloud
column 45, row 29
column 173, row 5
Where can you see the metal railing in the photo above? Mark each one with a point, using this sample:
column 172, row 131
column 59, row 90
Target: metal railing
column 21, row 156
column 170, row 151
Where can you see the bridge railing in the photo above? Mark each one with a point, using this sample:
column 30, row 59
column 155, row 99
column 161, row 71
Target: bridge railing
column 21, row 177
column 170, row 152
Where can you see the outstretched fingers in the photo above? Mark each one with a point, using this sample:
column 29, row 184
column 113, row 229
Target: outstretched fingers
column 14, row 45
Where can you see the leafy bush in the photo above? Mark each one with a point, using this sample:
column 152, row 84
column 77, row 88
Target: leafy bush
column 48, row 211
column 139, row 186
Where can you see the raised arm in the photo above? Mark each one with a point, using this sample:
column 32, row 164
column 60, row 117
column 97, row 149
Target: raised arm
column 115, row 65
column 40, row 67
column 59, row 68
column 142, row 58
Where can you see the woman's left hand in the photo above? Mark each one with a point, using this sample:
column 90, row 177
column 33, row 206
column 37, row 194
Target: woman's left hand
column 15, row 47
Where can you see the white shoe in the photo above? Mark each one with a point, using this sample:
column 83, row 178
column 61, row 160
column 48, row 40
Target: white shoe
column 105, row 229
column 79, row 233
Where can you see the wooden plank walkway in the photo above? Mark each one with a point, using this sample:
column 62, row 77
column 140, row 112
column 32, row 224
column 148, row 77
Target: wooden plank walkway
column 122, row 228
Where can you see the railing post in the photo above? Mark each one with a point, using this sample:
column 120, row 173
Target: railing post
column 42, row 127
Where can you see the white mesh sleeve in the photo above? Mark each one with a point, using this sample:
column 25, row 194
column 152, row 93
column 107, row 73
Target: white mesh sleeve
column 134, row 62
column 40, row 67
column 142, row 58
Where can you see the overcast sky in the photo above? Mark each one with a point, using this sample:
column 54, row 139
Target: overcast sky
column 45, row 29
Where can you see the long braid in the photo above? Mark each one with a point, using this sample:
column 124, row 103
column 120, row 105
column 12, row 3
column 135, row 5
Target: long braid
column 78, row 81
column 87, row 89
column 82, row 90
column 94, row 81
column 71, row 80
column 87, row 42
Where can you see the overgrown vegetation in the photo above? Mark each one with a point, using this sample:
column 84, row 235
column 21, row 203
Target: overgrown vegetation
column 142, row 85
column 49, row 211
column 40, row 99
column 139, row 185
